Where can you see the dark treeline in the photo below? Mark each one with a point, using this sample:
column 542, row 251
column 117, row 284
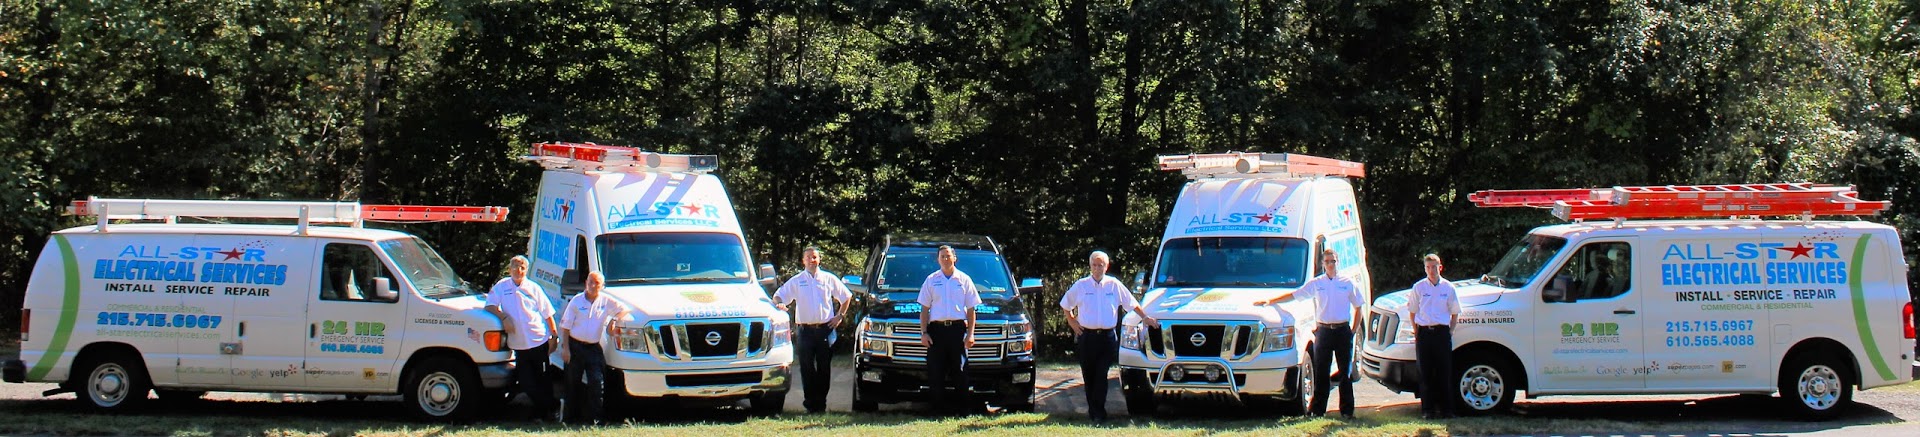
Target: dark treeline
column 1031, row 121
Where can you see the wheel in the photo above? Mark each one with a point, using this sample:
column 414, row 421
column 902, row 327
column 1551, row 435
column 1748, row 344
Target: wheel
column 180, row 395
column 1815, row 386
column 1301, row 377
column 1486, row 383
column 114, row 382
column 768, row 404
column 862, row 402
column 444, row 389
column 1138, row 391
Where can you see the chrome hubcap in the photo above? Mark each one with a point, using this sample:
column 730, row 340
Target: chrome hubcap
column 109, row 385
column 1819, row 387
column 1481, row 387
column 439, row 394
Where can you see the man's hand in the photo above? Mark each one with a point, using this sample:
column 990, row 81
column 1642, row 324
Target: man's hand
column 969, row 342
column 925, row 337
column 833, row 323
column 780, row 306
column 1149, row 322
column 566, row 356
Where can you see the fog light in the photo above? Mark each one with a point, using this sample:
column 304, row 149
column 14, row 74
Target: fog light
column 1176, row 373
column 1022, row 377
column 870, row 376
column 1213, row 374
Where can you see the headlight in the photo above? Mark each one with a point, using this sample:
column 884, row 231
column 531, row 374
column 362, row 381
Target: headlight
column 782, row 333
column 630, row 338
column 1130, row 337
column 875, row 347
column 1018, row 329
column 1277, row 339
column 873, row 328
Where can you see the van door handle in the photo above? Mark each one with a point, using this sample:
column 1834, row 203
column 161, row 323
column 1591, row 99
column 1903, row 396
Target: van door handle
column 243, row 329
column 1623, row 311
column 313, row 330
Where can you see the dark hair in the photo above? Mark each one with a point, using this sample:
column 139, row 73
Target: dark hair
column 946, row 248
column 814, row 249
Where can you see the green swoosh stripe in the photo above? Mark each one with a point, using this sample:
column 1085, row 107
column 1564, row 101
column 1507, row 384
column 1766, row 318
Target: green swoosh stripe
column 69, row 308
column 1860, row 309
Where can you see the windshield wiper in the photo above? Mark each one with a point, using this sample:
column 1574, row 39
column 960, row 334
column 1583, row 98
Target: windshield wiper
column 1241, row 284
column 636, row 281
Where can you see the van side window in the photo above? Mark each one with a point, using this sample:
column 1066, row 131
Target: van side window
column 1599, row 271
column 347, row 273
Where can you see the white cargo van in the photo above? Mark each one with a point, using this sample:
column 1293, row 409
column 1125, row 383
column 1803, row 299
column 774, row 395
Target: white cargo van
column 1808, row 309
column 1248, row 227
column 664, row 233
column 115, row 310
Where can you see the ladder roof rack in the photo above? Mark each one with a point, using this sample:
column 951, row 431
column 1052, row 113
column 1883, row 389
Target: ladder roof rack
column 350, row 213
column 1258, row 165
column 596, row 157
column 1803, row 199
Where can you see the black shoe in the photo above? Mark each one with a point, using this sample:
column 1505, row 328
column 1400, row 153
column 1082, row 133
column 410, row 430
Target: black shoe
column 1346, row 416
column 816, row 410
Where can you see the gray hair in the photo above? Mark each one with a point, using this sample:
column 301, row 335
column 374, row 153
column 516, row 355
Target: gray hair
column 521, row 260
column 1099, row 255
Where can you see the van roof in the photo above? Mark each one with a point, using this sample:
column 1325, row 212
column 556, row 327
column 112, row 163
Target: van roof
column 246, row 229
column 1702, row 226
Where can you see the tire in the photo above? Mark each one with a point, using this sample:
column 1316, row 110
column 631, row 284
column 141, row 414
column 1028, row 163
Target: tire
column 862, row 402
column 1486, row 383
column 769, row 404
column 1302, row 382
column 182, row 395
column 1138, row 392
column 116, row 381
column 443, row 389
column 1814, row 386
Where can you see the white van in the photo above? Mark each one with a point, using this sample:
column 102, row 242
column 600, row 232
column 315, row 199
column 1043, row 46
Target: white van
column 664, row 233
column 1808, row 309
column 1248, row 227
column 115, row 310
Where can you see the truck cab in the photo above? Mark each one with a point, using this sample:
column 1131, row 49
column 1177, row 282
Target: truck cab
column 663, row 231
column 890, row 364
column 1246, row 227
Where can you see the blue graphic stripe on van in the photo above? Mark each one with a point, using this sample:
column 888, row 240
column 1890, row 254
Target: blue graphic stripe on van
column 1855, row 287
column 69, row 308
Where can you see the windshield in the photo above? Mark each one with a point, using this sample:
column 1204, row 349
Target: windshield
column 1233, row 262
column 1524, row 261
column 428, row 272
column 673, row 258
column 905, row 271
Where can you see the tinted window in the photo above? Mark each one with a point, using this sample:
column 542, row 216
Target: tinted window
column 904, row 271
column 1524, row 261
column 673, row 258
column 348, row 271
column 1233, row 262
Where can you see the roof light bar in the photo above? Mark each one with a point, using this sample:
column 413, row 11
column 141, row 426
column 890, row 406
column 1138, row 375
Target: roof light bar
column 1258, row 165
column 589, row 156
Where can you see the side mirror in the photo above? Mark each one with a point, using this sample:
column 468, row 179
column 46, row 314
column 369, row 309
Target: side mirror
column 572, row 282
column 383, row 289
column 1139, row 284
column 769, row 279
column 1556, row 289
column 854, row 284
column 1031, row 286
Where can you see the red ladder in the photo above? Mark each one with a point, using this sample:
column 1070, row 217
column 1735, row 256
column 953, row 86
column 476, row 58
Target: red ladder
column 1688, row 201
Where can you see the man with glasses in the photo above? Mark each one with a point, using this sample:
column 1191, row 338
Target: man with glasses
column 1336, row 302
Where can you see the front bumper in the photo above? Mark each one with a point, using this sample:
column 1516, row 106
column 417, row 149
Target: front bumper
column 1401, row 376
column 881, row 379
column 1224, row 381
column 712, row 383
column 497, row 375
column 13, row 371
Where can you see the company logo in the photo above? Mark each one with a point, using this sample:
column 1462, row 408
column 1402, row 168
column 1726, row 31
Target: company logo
column 1344, row 216
column 1211, row 296
column 713, row 338
column 1809, row 261
column 1197, row 339
column 558, row 210
column 699, row 296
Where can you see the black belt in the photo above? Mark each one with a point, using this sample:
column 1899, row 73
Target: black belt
column 1430, row 326
column 812, row 325
column 947, row 322
column 570, row 339
column 1096, row 330
column 1335, row 324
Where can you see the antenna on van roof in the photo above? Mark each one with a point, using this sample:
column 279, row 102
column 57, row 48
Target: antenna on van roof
column 352, row 213
column 1803, row 199
column 1258, row 165
column 596, row 157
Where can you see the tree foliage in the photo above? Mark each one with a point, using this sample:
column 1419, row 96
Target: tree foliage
column 1032, row 121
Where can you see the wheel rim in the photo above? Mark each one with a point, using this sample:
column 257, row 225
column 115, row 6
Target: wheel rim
column 439, row 394
column 108, row 385
column 1306, row 382
column 1482, row 387
column 1819, row 387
